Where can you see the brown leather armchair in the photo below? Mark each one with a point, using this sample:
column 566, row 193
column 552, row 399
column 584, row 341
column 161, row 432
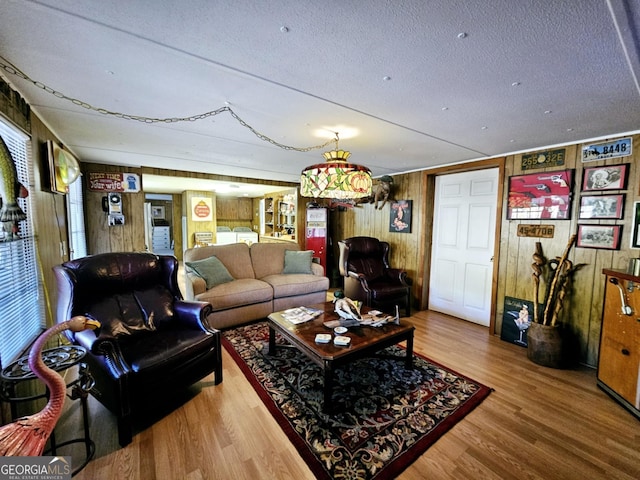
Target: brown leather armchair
column 364, row 264
column 150, row 340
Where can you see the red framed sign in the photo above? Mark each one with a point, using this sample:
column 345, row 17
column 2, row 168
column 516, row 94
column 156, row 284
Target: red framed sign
column 544, row 195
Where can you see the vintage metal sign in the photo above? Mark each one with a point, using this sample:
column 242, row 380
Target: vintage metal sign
column 548, row 158
column 542, row 231
column 201, row 209
column 600, row 151
column 114, row 182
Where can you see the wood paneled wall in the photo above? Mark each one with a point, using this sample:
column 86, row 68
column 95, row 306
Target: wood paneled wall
column 583, row 312
column 50, row 217
column 197, row 226
column 407, row 249
column 101, row 238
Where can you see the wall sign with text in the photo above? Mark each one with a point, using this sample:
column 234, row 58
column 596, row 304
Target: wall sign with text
column 201, row 209
column 603, row 150
column 548, row 158
column 114, row 182
column 538, row 231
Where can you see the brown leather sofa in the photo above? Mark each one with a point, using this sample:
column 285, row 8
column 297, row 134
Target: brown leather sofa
column 150, row 341
column 364, row 264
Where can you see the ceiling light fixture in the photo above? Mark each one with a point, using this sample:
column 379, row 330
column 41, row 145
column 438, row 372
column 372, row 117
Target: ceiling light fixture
column 336, row 178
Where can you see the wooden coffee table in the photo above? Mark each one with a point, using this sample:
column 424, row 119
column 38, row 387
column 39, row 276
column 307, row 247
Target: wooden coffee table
column 365, row 341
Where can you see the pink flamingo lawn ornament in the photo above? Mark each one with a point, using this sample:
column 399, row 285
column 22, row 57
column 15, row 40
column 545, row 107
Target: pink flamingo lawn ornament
column 27, row 436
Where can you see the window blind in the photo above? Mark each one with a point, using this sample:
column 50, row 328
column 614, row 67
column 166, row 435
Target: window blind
column 22, row 315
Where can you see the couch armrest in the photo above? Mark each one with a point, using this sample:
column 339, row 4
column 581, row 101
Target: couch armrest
column 193, row 285
column 193, row 313
column 317, row 269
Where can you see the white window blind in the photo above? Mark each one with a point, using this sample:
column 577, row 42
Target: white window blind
column 75, row 214
column 22, row 315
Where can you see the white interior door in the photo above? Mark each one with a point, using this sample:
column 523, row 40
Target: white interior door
column 463, row 244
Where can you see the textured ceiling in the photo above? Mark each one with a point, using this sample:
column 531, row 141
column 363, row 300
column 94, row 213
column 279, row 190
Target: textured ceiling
column 408, row 85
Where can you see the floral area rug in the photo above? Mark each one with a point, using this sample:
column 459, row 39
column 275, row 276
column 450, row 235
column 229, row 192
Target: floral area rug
column 383, row 418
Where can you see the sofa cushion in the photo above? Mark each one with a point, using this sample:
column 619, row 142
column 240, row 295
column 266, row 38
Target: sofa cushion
column 296, row 284
column 234, row 256
column 268, row 258
column 212, row 270
column 297, row 262
column 244, row 291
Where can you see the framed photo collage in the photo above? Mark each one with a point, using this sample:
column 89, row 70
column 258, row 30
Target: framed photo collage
column 548, row 195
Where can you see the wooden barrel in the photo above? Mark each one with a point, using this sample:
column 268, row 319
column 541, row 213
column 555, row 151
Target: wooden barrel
column 546, row 345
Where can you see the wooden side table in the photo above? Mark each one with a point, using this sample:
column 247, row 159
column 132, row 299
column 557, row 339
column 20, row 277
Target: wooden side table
column 619, row 358
column 58, row 359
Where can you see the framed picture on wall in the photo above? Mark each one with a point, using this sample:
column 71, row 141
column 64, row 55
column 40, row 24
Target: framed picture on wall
column 601, row 206
column 400, row 216
column 543, row 195
column 635, row 233
column 609, row 177
column 599, row 236
column 157, row 212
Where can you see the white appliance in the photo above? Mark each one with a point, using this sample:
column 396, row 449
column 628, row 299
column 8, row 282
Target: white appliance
column 224, row 235
column 245, row 235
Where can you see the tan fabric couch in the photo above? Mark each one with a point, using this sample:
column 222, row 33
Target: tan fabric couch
column 259, row 286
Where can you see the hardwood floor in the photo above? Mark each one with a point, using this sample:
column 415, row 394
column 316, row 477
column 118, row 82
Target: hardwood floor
column 539, row 423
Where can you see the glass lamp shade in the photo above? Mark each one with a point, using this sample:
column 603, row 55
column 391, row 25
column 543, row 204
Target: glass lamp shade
column 67, row 168
column 336, row 178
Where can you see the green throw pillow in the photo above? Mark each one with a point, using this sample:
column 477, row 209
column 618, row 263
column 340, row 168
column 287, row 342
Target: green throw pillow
column 297, row 262
column 212, row 270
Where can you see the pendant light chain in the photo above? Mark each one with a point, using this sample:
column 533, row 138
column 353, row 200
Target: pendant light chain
column 13, row 70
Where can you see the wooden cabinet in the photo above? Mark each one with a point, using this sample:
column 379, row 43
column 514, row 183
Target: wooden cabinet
column 619, row 357
column 245, row 209
column 234, row 208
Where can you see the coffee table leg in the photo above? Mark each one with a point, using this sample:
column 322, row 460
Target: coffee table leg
column 272, row 341
column 328, row 387
column 409, row 359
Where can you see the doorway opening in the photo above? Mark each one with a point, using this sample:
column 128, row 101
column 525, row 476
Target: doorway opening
column 159, row 228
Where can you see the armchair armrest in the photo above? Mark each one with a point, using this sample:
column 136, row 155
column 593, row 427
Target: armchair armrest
column 317, row 269
column 397, row 274
column 86, row 339
column 361, row 278
column 106, row 351
column 193, row 313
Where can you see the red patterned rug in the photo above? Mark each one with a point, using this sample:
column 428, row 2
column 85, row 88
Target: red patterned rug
column 384, row 415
